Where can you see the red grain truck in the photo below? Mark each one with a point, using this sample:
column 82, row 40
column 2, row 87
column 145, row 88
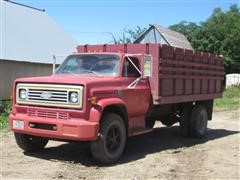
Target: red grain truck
column 106, row 93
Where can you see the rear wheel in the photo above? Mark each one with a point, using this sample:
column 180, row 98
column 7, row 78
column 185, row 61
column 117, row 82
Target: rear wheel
column 184, row 120
column 30, row 143
column 169, row 120
column 198, row 121
column 112, row 139
column 150, row 123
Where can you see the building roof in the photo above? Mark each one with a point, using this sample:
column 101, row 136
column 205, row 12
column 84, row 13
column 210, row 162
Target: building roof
column 169, row 36
column 28, row 34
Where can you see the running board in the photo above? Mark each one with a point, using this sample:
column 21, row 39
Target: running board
column 138, row 131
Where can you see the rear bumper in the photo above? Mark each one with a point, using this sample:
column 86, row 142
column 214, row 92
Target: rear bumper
column 71, row 129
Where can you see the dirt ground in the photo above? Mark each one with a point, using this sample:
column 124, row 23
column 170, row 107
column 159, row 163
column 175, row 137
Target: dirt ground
column 160, row 154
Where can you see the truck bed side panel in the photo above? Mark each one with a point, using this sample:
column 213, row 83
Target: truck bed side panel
column 179, row 75
column 186, row 75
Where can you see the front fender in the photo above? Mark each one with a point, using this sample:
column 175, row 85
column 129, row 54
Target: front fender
column 97, row 110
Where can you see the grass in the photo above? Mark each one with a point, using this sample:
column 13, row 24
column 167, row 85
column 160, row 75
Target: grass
column 229, row 101
column 3, row 121
column 5, row 110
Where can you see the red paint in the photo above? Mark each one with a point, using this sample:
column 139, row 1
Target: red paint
column 178, row 76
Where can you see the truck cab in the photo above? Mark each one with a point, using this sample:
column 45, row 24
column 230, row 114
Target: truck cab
column 86, row 89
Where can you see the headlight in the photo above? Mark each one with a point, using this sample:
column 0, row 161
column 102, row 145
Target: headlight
column 73, row 97
column 22, row 93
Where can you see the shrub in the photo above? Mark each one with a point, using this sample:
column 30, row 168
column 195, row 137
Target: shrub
column 5, row 110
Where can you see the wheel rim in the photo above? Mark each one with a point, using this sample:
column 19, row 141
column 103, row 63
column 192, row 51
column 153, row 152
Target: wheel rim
column 202, row 123
column 113, row 139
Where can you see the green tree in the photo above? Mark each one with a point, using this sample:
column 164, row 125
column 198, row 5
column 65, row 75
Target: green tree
column 219, row 34
column 128, row 35
column 189, row 29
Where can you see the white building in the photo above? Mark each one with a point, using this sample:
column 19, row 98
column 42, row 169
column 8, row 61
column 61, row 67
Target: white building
column 29, row 39
column 232, row 80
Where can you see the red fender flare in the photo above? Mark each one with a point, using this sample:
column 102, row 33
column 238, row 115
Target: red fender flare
column 96, row 111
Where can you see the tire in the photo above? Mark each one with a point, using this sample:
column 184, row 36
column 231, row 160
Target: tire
column 150, row 123
column 168, row 120
column 198, row 121
column 184, row 120
column 111, row 142
column 30, row 143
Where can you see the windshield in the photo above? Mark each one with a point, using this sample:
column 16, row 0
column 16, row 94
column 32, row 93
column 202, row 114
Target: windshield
column 97, row 64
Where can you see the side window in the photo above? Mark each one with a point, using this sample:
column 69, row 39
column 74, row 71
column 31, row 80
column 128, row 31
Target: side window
column 129, row 70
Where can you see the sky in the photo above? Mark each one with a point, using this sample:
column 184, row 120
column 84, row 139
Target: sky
column 95, row 21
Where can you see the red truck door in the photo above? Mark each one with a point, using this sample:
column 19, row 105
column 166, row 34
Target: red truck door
column 136, row 90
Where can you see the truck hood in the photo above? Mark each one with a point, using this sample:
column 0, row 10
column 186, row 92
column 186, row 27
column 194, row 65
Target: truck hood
column 66, row 79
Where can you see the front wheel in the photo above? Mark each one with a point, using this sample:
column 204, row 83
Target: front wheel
column 111, row 141
column 30, row 143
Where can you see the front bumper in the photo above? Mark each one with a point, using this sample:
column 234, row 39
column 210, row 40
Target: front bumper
column 71, row 129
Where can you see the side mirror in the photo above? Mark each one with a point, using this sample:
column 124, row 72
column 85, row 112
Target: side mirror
column 54, row 64
column 147, row 65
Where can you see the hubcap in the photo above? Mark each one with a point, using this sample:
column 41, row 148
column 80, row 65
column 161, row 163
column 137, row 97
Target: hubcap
column 113, row 139
column 202, row 123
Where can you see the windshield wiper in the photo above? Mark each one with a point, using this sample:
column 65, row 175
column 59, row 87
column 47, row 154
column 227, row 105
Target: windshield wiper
column 91, row 71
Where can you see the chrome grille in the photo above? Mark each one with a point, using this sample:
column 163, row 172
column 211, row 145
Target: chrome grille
column 48, row 95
